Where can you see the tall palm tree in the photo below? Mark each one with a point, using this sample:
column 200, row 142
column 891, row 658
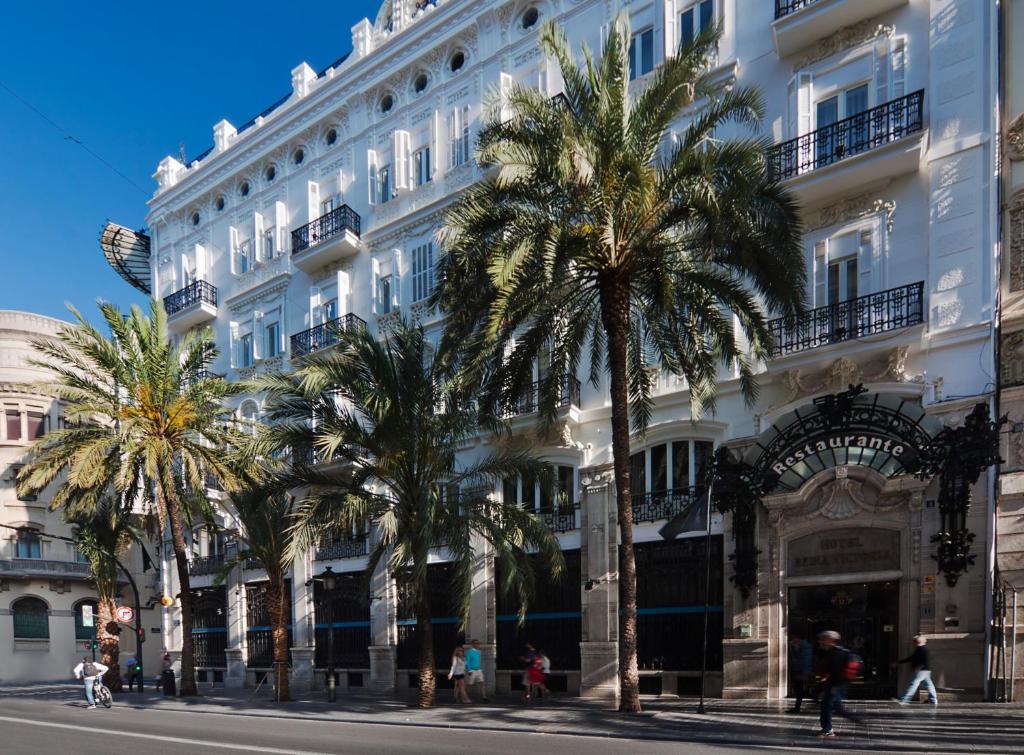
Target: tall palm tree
column 136, row 406
column 265, row 510
column 602, row 235
column 386, row 413
column 105, row 528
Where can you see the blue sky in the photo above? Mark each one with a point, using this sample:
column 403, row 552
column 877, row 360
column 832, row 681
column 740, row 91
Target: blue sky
column 131, row 81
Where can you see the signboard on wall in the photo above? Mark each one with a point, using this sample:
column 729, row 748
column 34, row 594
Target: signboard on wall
column 87, row 615
column 844, row 551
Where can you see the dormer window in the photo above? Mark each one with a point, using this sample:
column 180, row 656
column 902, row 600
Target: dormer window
column 332, row 137
column 420, row 83
column 243, row 188
column 386, row 103
column 270, row 174
column 457, row 60
column 195, row 218
column 530, row 17
column 298, row 156
column 219, row 203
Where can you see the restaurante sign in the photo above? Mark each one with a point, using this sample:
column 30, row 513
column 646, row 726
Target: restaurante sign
column 835, row 442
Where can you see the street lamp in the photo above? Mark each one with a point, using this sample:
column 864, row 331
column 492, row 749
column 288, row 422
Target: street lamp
column 325, row 605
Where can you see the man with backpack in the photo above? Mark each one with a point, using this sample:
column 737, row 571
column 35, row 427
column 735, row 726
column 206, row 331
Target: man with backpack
column 841, row 666
column 90, row 670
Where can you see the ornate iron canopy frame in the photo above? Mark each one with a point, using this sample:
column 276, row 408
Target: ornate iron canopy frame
column 887, row 433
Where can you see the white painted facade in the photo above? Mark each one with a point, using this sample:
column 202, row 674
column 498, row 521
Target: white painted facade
column 882, row 212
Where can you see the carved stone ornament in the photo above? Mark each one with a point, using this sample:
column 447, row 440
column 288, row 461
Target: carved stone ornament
column 1015, row 239
column 843, row 372
column 844, row 39
column 1015, row 138
column 1011, row 358
column 861, row 206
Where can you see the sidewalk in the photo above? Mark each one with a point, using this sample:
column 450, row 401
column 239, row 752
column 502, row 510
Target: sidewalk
column 974, row 727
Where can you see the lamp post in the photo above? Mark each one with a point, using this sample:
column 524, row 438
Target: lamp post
column 326, row 605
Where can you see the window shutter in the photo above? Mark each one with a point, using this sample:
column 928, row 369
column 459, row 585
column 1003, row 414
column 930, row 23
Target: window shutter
column 233, row 247
column 882, row 71
column 375, row 283
column 371, row 167
column 453, row 130
column 820, row 268
column 506, row 93
column 258, row 245
column 235, row 360
column 186, row 270
column 257, row 334
column 435, row 131
column 344, row 293
column 400, row 150
column 804, row 104
column 312, row 202
column 314, row 306
column 865, row 262
column 201, row 268
column 898, row 57
column 396, row 280
column 430, row 268
column 281, row 226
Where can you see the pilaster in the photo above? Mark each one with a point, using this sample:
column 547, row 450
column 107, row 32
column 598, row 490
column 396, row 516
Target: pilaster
column 599, row 652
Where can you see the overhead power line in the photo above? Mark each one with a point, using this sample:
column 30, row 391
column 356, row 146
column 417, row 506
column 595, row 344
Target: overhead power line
column 70, row 137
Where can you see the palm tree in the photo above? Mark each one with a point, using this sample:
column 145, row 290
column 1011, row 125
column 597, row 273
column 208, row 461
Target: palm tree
column 601, row 235
column 136, row 407
column 265, row 510
column 385, row 413
column 105, row 528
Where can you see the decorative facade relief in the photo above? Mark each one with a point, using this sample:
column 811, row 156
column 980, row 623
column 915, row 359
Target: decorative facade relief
column 1015, row 240
column 844, row 372
column 861, row 206
column 1011, row 358
column 1015, row 138
column 844, row 39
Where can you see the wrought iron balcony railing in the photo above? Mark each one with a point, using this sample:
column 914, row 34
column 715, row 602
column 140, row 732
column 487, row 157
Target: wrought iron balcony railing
column 855, row 135
column 324, row 335
column 664, row 504
column 341, row 547
column 562, row 519
column 325, row 227
column 194, row 293
column 899, row 307
column 205, row 565
column 528, row 402
column 785, row 7
column 41, row 567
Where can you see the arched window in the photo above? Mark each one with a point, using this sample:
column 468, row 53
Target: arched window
column 31, row 619
column 250, row 414
column 85, row 631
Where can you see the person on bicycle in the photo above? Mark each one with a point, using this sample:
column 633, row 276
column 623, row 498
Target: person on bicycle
column 90, row 671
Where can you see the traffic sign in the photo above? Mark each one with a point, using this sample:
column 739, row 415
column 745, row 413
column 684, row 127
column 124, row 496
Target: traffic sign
column 125, row 614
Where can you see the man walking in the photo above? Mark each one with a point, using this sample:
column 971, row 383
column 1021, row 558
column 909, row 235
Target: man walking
column 920, row 665
column 833, row 691
column 474, row 672
column 801, row 663
column 89, row 670
column 131, row 673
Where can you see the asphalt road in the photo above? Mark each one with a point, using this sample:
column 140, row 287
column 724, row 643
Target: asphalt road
column 30, row 726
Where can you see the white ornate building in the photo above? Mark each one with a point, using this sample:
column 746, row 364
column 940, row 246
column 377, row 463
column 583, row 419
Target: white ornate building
column 44, row 581
column 324, row 207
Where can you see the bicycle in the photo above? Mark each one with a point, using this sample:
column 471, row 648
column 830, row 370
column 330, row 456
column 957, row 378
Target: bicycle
column 101, row 694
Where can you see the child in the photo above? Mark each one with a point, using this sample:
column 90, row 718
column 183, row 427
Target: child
column 535, row 678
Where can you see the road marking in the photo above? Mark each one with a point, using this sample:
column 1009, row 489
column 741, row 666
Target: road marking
column 155, row 737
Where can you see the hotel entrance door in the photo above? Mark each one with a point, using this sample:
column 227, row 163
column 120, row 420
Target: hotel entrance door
column 866, row 615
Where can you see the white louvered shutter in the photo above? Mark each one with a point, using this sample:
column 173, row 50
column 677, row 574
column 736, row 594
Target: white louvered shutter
column 820, row 271
column 202, row 264
column 375, row 283
column 400, row 163
column 898, row 59
column 314, row 306
column 506, row 93
column 259, row 247
column 371, row 167
column 396, row 280
column 233, row 248
column 281, row 227
column 344, row 293
column 883, row 73
column 865, row 262
column 235, row 360
column 257, row 334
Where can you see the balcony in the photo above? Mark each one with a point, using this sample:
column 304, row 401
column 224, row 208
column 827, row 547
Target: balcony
column 664, row 504
column 845, row 155
column 800, row 23
column 27, row 568
column 345, row 546
column 201, row 565
column 528, row 402
column 327, row 239
column 192, row 305
column 324, row 335
column 874, row 314
column 563, row 519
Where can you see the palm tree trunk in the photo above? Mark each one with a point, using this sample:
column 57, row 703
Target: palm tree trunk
column 279, row 632
column 107, row 634
column 168, row 501
column 425, row 635
column 615, row 319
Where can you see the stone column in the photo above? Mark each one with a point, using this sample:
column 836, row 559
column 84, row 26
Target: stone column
column 482, row 613
column 235, row 593
column 599, row 648
column 383, row 631
column 170, row 616
column 303, row 654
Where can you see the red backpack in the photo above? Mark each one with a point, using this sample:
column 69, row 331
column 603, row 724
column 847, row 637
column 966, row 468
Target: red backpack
column 854, row 666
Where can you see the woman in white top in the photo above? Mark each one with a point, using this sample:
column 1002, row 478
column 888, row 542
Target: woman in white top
column 458, row 674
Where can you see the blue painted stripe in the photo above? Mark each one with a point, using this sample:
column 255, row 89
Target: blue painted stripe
column 345, row 625
column 262, row 628
column 435, row 620
column 675, row 610
column 547, row 616
column 209, row 630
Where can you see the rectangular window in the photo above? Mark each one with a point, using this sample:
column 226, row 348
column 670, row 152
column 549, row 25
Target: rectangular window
column 694, row 20
column 659, row 468
column 243, row 257
column 703, row 450
column 330, row 310
column 37, row 425
column 510, row 490
column 566, row 486
column 13, row 421
column 330, row 204
column 269, row 243
column 245, row 350
column 272, row 333
column 680, row 464
column 422, row 271
column 384, row 183
column 29, row 545
column 641, row 53
column 421, row 166
column 638, row 473
column 458, row 136
column 384, row 294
